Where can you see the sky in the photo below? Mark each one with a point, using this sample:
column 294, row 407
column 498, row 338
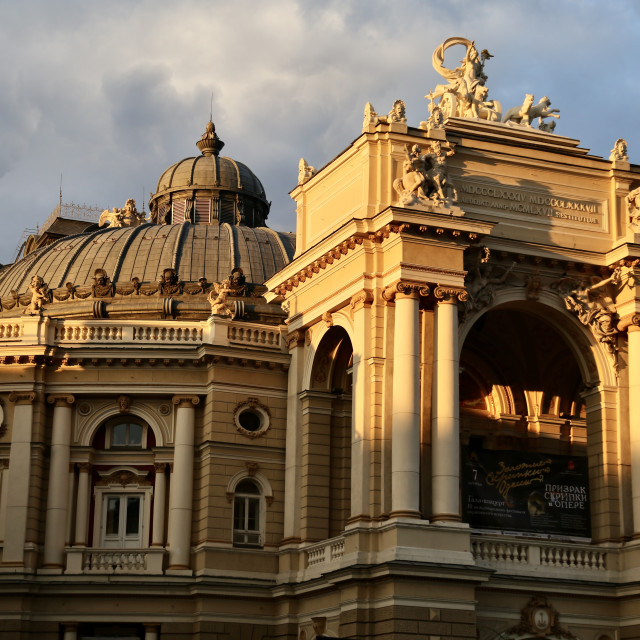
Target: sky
column 109, row 94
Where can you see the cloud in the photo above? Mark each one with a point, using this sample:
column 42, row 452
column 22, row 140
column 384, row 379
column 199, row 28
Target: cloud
column 112, row 94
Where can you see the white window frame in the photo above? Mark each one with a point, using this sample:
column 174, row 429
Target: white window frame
column 101, row 492
column 259, row 498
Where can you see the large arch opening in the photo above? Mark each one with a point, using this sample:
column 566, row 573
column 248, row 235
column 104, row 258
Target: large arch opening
column 524, row 427
column 327, row 411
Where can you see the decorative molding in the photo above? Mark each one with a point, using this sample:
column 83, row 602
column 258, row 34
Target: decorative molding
column 252, row 467
column 124, row 404
column 160, row 467
column 362, row 299
column 61, row 399
column 314, row 267
column 164, row 409
column 294, row 339
column 254, row 405
column 185, row 401
column 327, row 318
column 450, row 294
column 408, row 289
column 22, row 397
column 540, row 619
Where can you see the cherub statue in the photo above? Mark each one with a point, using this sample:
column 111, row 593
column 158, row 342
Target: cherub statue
column 305, row 171
column 218, row 299
column 39, row 295
column 619, row 151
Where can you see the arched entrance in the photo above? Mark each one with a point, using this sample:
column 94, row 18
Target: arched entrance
column 531, row 426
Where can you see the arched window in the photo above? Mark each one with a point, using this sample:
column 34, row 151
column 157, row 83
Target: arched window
column 247, row 515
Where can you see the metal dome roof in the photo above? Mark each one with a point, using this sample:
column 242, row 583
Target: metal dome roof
column 194, row 251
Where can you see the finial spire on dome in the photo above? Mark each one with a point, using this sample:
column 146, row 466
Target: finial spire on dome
column 209, row 143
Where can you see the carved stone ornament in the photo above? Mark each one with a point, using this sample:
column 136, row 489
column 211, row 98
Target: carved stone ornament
column 527, row 112
column 40, row 295
column 101, row 286
column 360, row 300
column 450, row 294
column 294, row 339
column 22, row 397
column 327, row 318
column 405, row 288
column 124, row 404
column 633, row 206
column 218, row 299
column 169, row 283
column 185, row 401
column 124, row 477
column 61, row 399
column 128, row 216
column 305, row 171
column 425, row 177
column 483, row 280
column 619, row 152
column 465, row 95
column 594, row 304
column 539, row 619
column 398, row 114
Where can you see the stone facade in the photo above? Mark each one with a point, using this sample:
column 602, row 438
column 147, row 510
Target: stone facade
column 287, row 446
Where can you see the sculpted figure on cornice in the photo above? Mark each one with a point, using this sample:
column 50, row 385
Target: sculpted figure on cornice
column 218, row 299
column 398, row 113
column 128, row 216
column 594, row 303
column 619, row 151
column 633, row 206
column 305, row 171
column 527, row 111
column 39, row 295
column 424, row 176
column 462, row 96
column 482, row 282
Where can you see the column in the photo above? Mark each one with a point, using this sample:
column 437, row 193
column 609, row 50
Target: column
column 151, row 631
column 405, row 438
column 19, row 476
column 82, row 506
column 445, row 425
column 57, row 495
column 159, row 500
column 4, row 492
column 292, row 480
column 70, row 630
column 361, row 407
column 634, row 419
column 181, row 507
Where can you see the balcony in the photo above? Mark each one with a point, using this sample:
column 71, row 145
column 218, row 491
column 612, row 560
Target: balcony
column 81, row 561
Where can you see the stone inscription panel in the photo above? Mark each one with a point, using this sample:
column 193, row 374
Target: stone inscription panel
column 508, row 201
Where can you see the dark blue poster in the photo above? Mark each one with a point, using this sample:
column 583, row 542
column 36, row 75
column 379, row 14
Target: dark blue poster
column 526, row 492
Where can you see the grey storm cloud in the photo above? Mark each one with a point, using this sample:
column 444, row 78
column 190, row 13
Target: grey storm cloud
column 111, row 93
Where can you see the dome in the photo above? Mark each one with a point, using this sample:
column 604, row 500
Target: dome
column 144, row 252
column 209, row 189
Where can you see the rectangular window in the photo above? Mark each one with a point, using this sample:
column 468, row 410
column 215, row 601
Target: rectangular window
column 122, row 521
column 246, row 521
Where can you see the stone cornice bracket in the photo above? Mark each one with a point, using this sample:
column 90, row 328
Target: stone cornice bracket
column 22, row 397
column 362, row 299
column 61, row 399
column 185, row 401
column 294, row 339
column 406, row 289
column 450, row 294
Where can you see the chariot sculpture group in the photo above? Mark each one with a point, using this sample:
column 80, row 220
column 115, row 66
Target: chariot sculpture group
column 467, row 96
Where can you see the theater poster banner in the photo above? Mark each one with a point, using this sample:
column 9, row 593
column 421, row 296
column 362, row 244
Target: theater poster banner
column 526, row 492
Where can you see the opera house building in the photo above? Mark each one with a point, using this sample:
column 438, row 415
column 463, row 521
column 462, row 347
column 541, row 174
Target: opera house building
column 416, row 417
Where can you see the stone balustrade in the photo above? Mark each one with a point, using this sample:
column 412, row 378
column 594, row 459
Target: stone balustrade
column 114, row 561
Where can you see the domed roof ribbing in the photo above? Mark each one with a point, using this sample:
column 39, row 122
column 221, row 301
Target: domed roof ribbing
column 194, row 251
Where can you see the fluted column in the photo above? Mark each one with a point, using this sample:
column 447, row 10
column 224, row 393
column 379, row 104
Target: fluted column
column 57, row 494
column 19, row 478
column 634, row 418
column 292, row 480
column 445, row 426
column 180, row 509
column 405, row 439
column 82, row 505
column 159, row 500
